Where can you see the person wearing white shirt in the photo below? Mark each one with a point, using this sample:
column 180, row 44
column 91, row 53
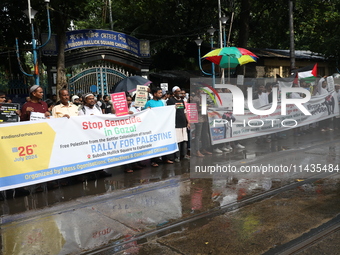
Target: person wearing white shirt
column 263, row 96
column 90, row 107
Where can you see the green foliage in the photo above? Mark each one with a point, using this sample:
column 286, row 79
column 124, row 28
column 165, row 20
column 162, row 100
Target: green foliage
column 172, row 25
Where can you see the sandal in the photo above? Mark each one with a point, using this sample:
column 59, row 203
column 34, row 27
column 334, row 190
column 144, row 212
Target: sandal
column 199, row 154
column 206, row 152
column 128, row 171
column 154, row 164
column 169, row 161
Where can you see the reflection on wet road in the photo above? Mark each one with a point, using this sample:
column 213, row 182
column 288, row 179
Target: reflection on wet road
column 77, row 216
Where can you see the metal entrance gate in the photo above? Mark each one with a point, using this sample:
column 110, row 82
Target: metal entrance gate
column 96, row 79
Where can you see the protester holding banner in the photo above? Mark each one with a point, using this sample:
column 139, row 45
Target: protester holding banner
column 157, row 102
column 90, row 107
column 181, row 123
column 337, row 118
column 322, row 90
column 65, row 108
column 35, row 105
column 201, row 135
column 129, row 101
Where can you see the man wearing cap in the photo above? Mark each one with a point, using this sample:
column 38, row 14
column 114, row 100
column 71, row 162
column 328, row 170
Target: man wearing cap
column 65, row 108
column 181, row 122
column 90, row 107
column 75, row 100
column 35, row 105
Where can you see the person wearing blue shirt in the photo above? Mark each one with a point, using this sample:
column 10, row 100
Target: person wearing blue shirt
column 157, row 102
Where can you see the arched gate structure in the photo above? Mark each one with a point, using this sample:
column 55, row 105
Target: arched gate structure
column 97, row 79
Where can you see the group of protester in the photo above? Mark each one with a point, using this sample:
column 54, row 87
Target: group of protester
column 88, row 104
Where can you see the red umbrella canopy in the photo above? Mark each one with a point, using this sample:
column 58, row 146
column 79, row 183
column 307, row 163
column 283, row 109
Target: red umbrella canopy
column 230, row 57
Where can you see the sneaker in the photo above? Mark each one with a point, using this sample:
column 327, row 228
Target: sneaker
column 225, row 149
column 217, row 150
column 239, row 146
column 229, row 147
column 186, row 157
column 177, row 160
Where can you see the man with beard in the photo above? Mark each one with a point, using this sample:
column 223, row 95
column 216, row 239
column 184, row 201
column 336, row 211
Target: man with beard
column 181, row 123
column 90, row 107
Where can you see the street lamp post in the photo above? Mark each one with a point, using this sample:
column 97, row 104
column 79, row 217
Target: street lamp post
column 30, row 13
column 224, row 20
column 198, row 42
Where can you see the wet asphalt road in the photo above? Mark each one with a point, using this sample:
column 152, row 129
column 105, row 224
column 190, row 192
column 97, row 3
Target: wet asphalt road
column 102, row 215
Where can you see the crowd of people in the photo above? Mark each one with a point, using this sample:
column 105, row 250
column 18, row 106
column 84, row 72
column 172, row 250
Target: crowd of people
column 89, row 104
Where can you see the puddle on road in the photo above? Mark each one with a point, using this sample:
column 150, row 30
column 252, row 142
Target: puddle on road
column 124, row 205
column 118, row 215
column 256, row 228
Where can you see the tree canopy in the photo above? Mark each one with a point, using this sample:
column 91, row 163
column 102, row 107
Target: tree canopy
column 172, row 25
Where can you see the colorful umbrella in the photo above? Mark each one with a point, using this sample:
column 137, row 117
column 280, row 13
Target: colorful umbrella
column 230, row 57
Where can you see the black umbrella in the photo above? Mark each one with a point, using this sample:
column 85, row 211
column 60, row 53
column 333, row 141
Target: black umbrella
column 129, row 84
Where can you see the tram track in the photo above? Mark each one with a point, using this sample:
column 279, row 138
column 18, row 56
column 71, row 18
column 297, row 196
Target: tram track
column 307, row 240
column 119, row 245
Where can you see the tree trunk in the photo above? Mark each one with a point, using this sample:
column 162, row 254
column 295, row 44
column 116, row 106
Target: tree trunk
column 61, row 36
column 244, row 23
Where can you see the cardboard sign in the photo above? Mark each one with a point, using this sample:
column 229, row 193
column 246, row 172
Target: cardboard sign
column 192, row 112
column 141, row 96
column 330, row 83
column 119, row 103
column 164, row 87
column 8, row 112
column 142, row 88
column 37, row 116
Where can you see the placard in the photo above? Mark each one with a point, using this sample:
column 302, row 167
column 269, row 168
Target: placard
column 240, row 79
column 37, row 116
column 8, row 112
column 119, row 103
column 164, row 87
column 142, row 88
column 141, row 98
column 330, row 83
column 192, row 113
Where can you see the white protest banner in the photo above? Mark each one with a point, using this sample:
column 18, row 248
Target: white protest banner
column 226, row 100
column 35, row 152
column 250, row 125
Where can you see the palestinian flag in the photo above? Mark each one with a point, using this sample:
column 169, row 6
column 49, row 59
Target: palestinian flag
column 308, row 73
